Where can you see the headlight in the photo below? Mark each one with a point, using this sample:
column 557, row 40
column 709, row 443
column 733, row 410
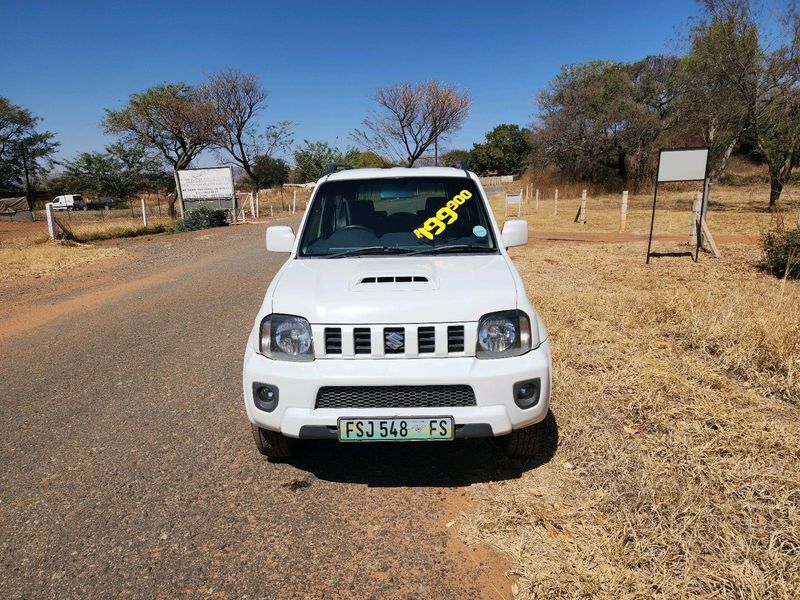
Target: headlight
column 503, row 334
column 286, row 337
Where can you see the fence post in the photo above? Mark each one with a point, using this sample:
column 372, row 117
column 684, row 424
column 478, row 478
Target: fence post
column 583, row 208
column 623, row 211
column 537, row 199
column 555, row 203
column 51, row 226
column 270, row 209
column 252, row 207
column 698, row 199
column 258, row 201
column 144, row 212
column 294, row 201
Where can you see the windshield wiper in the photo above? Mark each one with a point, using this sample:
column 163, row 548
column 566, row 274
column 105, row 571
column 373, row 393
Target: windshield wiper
column 368, row 250
column 453, row 248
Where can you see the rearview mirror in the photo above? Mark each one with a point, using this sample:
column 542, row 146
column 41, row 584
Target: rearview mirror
column 280, row 238
column 515, row 233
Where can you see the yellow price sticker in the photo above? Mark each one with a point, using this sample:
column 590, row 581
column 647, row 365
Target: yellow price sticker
column 444, row 216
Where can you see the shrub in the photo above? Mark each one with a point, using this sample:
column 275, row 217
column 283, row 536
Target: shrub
column 201, row 217
column 782, row 251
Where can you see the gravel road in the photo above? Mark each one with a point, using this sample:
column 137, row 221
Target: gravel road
column 128, row 469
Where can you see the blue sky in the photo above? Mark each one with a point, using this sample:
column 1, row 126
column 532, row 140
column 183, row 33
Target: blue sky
column 68, row 61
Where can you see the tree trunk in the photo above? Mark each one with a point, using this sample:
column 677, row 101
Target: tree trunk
column 775, row 189
column 171, row 200
column 723, row 164
column 622, row 167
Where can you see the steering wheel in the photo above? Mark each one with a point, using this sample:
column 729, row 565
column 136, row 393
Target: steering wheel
column 352, row 227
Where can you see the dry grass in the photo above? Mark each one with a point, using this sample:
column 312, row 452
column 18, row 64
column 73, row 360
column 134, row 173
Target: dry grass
column 281, row 202
column 45, row 258
column 732, row 210
column 121, row 228
column 676, row 396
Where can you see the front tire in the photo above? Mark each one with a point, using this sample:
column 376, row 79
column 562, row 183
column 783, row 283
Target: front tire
column 272, row 444
column 530, row 441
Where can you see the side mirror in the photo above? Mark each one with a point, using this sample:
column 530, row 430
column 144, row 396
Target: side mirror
column 280, row 238
column 515, row 233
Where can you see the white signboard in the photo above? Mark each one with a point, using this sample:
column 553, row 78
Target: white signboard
column 206, row 184
column 515, row 199
column 682, row 165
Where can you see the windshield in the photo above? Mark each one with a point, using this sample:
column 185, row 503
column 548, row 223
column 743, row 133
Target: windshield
column 397, row 216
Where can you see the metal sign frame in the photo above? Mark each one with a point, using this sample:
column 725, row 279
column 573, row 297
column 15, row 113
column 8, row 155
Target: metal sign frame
column 703, row 206
column 514, row 199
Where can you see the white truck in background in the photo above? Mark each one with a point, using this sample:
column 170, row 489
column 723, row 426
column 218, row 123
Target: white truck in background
column 68, row 202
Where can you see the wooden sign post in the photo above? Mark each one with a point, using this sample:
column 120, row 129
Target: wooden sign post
column 623, row 211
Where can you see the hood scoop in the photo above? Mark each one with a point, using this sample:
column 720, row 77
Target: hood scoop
column 391, row 282
column 394, row 279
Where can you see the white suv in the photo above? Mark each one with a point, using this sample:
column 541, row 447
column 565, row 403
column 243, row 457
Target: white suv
column 398, row 316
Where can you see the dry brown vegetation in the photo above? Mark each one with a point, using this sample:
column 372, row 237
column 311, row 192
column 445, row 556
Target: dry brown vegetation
column 677, row 400
column 740, row 210
column 20, row 259
column 120, row 228
column 281, row 201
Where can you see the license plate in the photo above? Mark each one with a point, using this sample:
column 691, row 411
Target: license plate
column 379, row 430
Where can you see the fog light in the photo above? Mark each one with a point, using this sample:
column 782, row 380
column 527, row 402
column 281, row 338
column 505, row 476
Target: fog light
column 265, row 396
column 526, row 393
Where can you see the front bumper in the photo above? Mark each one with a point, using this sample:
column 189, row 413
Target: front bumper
column 492, row 382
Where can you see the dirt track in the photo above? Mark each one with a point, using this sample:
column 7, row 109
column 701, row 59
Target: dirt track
column 129, row 470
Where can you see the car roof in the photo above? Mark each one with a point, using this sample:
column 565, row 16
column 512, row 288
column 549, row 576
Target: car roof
column 395, row 172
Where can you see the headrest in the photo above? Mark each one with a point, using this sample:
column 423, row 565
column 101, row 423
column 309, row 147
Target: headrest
column 362, row 207
column 434, row 203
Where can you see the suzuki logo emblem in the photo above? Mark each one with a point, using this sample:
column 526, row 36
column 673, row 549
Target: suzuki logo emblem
column 394, row 340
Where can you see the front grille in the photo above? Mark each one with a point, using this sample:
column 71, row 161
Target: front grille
column 362, row 340
column 427, row 339
column 394, row 340
column 333, row 340
column 395, row 396
column 455, row 338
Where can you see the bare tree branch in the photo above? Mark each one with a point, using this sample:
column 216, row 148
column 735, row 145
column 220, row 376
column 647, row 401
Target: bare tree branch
column 411, row 117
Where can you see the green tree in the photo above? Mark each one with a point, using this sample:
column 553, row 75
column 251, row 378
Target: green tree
column 721, row 63
column 777, row 128
column 506, row 151
column 774, row 96
column 604, row 119
column 121, row 171
column 314, row 158
column 455, row 157
column 270, row 171
column 174, row 119
column 754, row 86
column 21, row 146
column 364, row 159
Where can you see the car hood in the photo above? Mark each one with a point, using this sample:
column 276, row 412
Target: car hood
column 396, row 289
